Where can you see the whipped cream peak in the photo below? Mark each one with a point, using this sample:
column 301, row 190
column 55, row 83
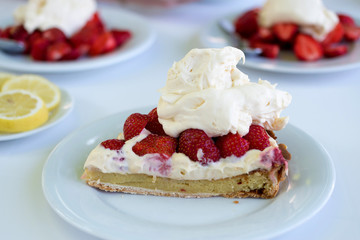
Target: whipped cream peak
column 215, row 96
column 67, row 15
column 311, row 15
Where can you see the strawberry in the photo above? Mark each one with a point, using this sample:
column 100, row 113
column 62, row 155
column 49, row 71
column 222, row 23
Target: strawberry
column 346, row 19
column 54, row 35
column 38, row 49
column 247, row 25
column 307, row 48
column 163, row 145
column 269, row 50
column 6, row 33
column 75, row 53
column 32, row 38
column 232, row 144
column 134, row 124
column 57, row 51
column 352, row 33
column 121, row 36
column 335, row 36
column 19, row 33
column 264, row 35
column 257, row 137
column 335, row 50
column 95, row 23
column 285, row 32
column 103, row 44
column 113, row 144
column 198, row 146
column 154, row 126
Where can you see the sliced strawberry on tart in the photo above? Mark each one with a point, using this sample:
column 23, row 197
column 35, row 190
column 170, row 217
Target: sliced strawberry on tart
column 211, row 135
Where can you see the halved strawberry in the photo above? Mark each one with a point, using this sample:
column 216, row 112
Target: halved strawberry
column 335, row 36
column 198, row 146
column 247, row 25
column 113, row 144
column 38, row 49
column 75, row 53
column 154, row 126
column 269, row 50
column 103, row 44
column 232, row 144
column 335, row 50
column 121, row 36
column 285, row 32
column 134, row 124
column 307, row 48
column 32, row 38
column 19, row 33
column 153, row 143
column 257, row 137
column 6, row 33
column 352, row 33
column 95, row 23
column 346, row 19
column 57, row 51
column 54, row 35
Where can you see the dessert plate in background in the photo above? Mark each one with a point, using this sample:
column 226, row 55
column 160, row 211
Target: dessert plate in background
column 213, row 37
column 113, row 215
column 142, row 38
column 56, row 116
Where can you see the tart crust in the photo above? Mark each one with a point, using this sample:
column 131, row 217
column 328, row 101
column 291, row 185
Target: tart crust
column 256, row 184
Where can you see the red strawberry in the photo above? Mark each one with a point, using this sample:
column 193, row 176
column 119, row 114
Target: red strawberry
column 285, row 32
column 75, row 53
column 352, row 33
column 54, row 35
column 134, row 124
column 154, row 126
column 335, row 50
column 257, row 137
column 6, row 33
column 163, row 145
column 103, row 44
column 232, row 144
column 32, row 38
column 121, row 36
column 19, row 33
column 269, row 50
column 346, row 19
column 247, row 25
column 307, row 48
column 57, row 51
column 95, row 23
column 198, row 146
column 113, row 144
column 335, row 36
column 38, row 49
column 264, row 35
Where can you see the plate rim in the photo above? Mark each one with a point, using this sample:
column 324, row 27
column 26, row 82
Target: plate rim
column 298, row 68
column 88, row 63
column 69, row 100
column 324, row 199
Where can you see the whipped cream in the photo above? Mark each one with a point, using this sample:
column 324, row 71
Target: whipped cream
column 179, row 166
column 67, row 15
column 311, row 15
column 206, row 91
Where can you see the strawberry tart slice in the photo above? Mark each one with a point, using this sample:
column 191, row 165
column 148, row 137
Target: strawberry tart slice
column 211, row 135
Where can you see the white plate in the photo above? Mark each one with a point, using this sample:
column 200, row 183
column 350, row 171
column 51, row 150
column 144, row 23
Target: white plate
column 212, row 37
column 142, row 38
column 56, row 116
column 125, row 216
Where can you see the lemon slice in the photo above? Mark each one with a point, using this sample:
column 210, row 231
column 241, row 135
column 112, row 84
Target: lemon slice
column 21, row 111
column 40, row 86
column 4, row 77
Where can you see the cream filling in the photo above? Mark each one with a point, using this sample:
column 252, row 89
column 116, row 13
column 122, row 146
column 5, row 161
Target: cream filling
column 179, row 166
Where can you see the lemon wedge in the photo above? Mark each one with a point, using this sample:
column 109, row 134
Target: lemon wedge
column 38, row 85
column 21, row 111
column 4, row 77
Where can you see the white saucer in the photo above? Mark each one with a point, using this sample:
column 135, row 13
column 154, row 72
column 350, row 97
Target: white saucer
column 113, row 215
column 212, row 37
column 56, row 116
column 143, row 37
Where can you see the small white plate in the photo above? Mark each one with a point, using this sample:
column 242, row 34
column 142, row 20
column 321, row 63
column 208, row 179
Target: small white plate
column 213, row 37
column 142, row 38
column 56, row 116
column 125, row 216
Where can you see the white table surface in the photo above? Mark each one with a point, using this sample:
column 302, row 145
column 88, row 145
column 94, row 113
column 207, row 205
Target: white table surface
column 324, row 105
